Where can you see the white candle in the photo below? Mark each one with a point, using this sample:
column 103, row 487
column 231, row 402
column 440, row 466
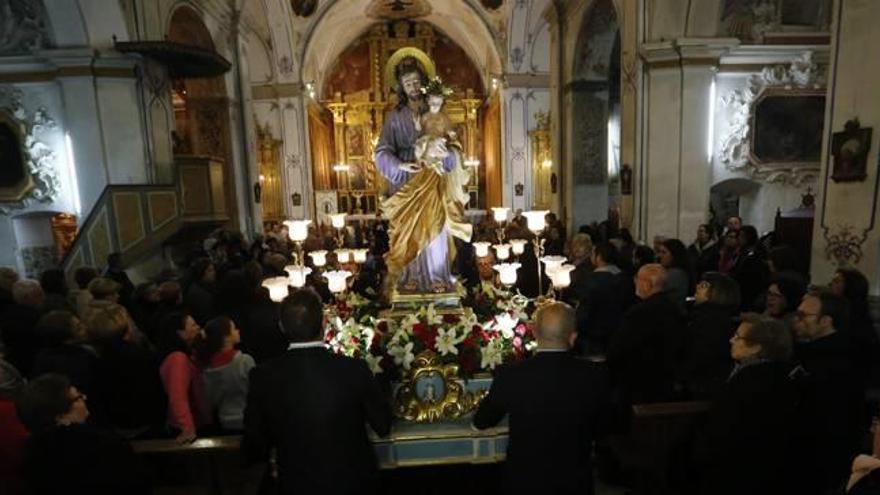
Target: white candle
column 502, row 251
column 336, row 280
column 535, row 219
column 561, row 276
column 500, row 213
column 360, row 255
column 278, row 287
column 507, row 272
column 343, row 255
column 519, row 246
column 297, row 275
column 551, row 263
column 319, row 258
column 297, row 230
column 481, row 249
column 337, row 220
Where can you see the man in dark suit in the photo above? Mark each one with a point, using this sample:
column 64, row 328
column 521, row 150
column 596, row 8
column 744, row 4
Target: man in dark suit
column 313, row 407
column 834, row 414
column 557, row 406
column 644, row 353
column 603, row 296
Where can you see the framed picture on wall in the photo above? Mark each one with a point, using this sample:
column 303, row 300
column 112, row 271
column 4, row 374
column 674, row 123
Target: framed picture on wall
column 850, row 151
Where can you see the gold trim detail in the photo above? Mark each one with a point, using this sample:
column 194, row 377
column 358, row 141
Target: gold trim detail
column 429, row 405
column 402, row 53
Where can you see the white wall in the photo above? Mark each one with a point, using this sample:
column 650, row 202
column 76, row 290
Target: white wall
column 847, row 211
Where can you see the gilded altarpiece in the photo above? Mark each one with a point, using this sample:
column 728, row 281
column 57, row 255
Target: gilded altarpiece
column 269, row 162
column 358, row 98
column 542, row 165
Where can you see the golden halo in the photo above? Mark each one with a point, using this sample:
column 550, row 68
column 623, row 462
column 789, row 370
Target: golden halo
column 402, row 53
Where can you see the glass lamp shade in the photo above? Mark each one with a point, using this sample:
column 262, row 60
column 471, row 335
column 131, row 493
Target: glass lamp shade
column 337, row 220
column 535, row 219
column 481, row 249
column 502, row 251
column 507, row 272
column 336, row 280
column 319, row 258
column 296, row 275
column 360, row 255
column 560, row 277
column 518, row 245
column 297, row 230
column 500, row 213
column 343, row 255
column 551, row 263
column 278, row 287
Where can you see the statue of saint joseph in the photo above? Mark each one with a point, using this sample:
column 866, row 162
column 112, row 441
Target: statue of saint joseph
column 426, row 206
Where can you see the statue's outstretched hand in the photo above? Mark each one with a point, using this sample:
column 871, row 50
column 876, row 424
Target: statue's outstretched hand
column 411, row 167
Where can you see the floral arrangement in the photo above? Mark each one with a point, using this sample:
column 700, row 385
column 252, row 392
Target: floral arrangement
column 390, row 346
column 435, row 86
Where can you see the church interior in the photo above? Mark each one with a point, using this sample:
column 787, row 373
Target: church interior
column 680, row 194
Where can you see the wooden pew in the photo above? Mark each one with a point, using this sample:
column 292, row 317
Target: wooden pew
column 657, row 447
column 218, row 454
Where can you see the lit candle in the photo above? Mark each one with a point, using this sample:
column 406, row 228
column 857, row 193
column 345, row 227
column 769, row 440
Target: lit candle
column 502, row 251
column 535, row 219
column 561, row 276
column 297, row 230
column 551, row 263
column 336, row 280
column 278, row 287
column 343, row 255
column 360, row 255
column 319, row 258
column 500, row 213
column 481, row 249
column 519, row 246
column 337, row 220
column 507, row 272
column 297, row 275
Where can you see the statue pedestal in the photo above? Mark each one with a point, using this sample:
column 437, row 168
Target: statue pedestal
column 403, row 304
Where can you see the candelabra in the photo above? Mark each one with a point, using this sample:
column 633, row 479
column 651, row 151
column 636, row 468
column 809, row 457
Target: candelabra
column 536, row 221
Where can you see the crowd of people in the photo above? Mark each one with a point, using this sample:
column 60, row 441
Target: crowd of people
column 203, row 350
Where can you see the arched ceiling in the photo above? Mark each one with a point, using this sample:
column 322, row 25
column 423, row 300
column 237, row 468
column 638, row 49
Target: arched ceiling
column 338, row 23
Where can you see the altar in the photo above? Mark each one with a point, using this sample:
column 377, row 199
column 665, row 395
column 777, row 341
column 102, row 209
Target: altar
column 448, row 442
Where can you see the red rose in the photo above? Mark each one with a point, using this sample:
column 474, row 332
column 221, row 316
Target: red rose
column 428, row 336
column 376, row 346
column 468, row 362
column 382, row 327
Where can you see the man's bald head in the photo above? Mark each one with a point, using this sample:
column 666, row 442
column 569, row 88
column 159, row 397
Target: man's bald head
column 651, row 280
column 555, row 325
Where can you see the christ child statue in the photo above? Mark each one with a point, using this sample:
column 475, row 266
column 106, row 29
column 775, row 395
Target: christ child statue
column 436, row 127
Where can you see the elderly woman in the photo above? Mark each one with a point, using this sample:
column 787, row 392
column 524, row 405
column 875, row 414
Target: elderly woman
column 745, row 443
column 707, row 361
column 66, row 455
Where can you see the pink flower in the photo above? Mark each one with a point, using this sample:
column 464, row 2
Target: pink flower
column 520, row 329
column 517, row 342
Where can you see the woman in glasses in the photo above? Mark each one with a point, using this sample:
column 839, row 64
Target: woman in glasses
column 64, row 453
column 746, row 443
column 783, row 296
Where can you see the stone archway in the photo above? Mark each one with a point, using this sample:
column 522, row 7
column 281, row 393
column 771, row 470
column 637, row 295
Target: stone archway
column 592, row 93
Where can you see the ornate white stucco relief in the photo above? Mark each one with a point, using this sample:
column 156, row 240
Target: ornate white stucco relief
column 734, row 152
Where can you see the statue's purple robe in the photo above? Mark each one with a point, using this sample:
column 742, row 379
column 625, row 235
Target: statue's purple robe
column 396, row 146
